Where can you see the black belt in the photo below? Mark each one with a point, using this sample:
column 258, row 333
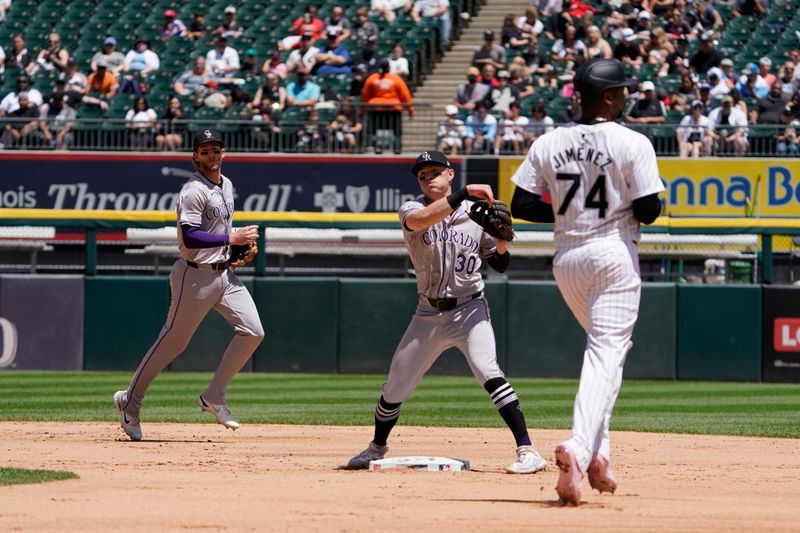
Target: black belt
column 446, row 304
column 208, row 266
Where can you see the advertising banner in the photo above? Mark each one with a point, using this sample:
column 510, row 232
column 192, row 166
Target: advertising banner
column 262, row 183
column 714, row 187
column 41, row 322
column 781, row 339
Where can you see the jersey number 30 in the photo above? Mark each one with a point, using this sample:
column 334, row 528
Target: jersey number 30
column 595, row 198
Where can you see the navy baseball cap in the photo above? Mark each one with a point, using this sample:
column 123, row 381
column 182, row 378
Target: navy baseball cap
column 429, row 158
column 207, row 136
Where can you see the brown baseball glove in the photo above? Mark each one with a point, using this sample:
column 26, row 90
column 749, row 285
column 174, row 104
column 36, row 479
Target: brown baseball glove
column 241, row 254
column 495, row 219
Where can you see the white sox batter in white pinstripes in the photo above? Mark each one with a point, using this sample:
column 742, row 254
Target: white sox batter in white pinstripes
column 447, row 249
column 599, row 175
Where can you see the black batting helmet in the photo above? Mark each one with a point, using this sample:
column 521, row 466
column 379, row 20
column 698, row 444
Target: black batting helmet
column 596, row 76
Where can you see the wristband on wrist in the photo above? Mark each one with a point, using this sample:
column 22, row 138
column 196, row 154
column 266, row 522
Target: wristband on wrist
column 457, row 197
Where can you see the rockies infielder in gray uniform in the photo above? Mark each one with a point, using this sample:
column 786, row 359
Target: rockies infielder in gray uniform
column 200, row 281
column 603, row 179
column 447, row 249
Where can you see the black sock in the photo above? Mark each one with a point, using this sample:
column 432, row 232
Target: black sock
column 386, row 415
column 507, row 403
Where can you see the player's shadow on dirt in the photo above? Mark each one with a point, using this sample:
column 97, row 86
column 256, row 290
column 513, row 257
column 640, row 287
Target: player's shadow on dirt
column 538, row 503
column 174, row 441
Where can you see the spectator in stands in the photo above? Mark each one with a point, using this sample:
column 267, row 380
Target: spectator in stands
column 754, row 8
column 357, row 83
column 788, row 78
column 513, row 37
column 539, row 122
column 56, row 121
column 567, row 53
column 389, row 9
column 481, row 131
column 328, row 97
column 707, row 15
column 450, row 134
column 18, row 55
column 140, row 122
column 685, row 93
column 310, row 137
column 504, row 94
column 708, row 56
column 662, row 7
column 787, row 139
column 101, row 82
column 658, row 48
column 332, row 58
column 193, row 81
column 677, row 63
column 538, row 64
column 751, row 84
column 738, row 102
column 471, row 92
column 764, row 68
column 274, row 65
column 302, row 92
column 728, row 128
column 197, row 28
column 74, row 80
column 337, row 23
column 489, row 53
column 677, row 26
column 529, row 24
column 173, row 26
column 230, row 27
column 364, row 29
column 369, row 56
column 171, row 130
column 398, row 64
column 214, row 98
column 730, row 76
column 305, row 55
column 693, row 137
column 222, row 61
column 251, row 66
column 114, row 59
column 488, row 77
column 139, row 63
column 717, row 86
column 51, row 57
column 391, row 91
column 23, row 121
column 548, row 8
column 648, row 109
column 644, row 24
column 520, row 80
column 308, row 24
column 596, row 46
column 266, row 120
column 438, row 9
column 513, row 135
column 628, row 51
column 768, row 109
column 343, row 133
column 10, row 102
column 571, row 113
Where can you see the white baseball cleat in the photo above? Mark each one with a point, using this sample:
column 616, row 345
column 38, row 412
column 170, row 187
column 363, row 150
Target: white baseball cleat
column 528, row 461
column 372, row 453
column 222, row 413
column 129, row 423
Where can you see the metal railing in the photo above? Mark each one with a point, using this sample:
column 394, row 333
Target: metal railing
column 371, row 129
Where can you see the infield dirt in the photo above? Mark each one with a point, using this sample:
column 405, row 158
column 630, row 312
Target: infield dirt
column 285, row 478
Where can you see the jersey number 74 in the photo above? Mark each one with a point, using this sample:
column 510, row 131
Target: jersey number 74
column 595, row 198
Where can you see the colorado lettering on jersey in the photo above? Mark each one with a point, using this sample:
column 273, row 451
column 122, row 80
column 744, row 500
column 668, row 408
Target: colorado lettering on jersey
column 433, row 235
column 581, row 154
column 220, row 210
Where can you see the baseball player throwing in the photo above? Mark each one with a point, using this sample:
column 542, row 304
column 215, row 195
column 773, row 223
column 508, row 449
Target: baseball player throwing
column 447, row 248
column 201, row 280
column 604, row 181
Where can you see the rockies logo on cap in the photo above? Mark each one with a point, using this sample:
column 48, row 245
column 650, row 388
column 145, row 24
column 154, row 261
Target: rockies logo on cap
column 206, row 136
column 427, row 158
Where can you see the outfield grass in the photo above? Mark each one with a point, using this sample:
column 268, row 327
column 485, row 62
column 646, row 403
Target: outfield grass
column 754, row 409
column 19, row 476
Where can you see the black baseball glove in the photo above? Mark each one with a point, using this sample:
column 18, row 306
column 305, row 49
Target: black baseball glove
column 241, row 254
column 495, row 219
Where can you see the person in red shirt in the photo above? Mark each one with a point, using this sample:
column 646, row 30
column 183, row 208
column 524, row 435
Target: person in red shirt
column 385, row 122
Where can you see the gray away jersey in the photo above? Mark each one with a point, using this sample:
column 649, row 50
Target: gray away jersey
column 209, row 208
column 447, row 256
column 593, row 173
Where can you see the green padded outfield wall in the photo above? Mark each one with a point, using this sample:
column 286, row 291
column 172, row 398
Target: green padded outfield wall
column 301, row 320
column 719, row 332
column 655, row 339
column 123, row 317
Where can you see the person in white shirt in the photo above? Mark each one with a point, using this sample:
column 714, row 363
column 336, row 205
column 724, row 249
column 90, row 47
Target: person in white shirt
column 693, row 137
column 398, row 64
column 10, row 101
column 728, row 128
column 513, row 132
column 141, row 122
column 439, row 9
column 222, row 61
column 451, row 132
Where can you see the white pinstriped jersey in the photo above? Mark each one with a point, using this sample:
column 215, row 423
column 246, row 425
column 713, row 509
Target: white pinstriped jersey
column 447, row 256
column 593, row 173
column 208, row 207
